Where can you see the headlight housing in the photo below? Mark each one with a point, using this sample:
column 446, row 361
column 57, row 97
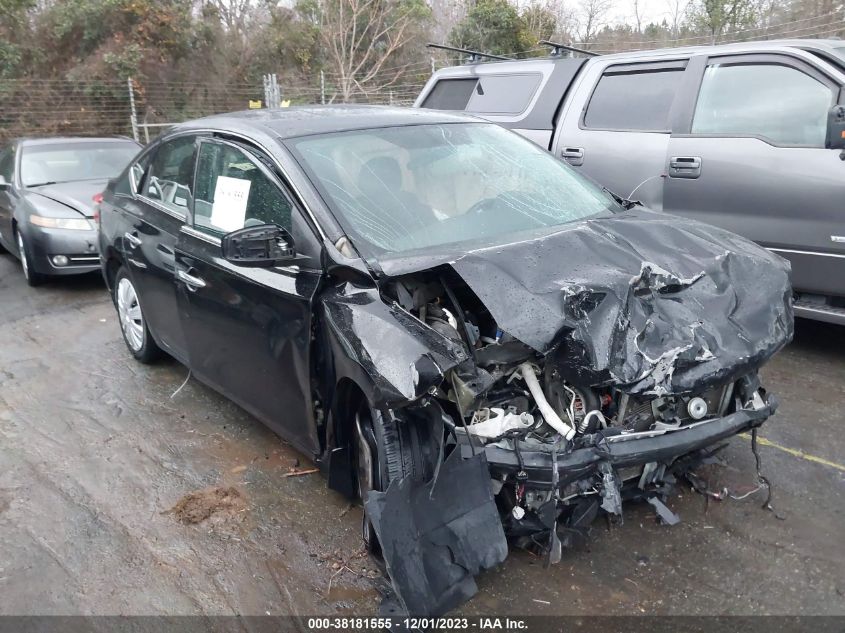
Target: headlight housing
column 73, row 224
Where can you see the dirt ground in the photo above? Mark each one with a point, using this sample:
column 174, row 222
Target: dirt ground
column 117, row 497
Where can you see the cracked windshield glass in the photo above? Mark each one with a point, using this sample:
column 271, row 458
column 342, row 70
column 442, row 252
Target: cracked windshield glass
column 415, row 187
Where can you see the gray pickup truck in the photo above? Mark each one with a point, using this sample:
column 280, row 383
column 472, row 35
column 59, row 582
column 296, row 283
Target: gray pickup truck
column 745, row 136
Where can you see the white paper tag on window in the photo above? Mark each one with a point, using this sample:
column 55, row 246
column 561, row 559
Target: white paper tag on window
column 230, row 197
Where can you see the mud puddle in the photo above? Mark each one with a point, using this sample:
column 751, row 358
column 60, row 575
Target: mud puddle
column 220, row 502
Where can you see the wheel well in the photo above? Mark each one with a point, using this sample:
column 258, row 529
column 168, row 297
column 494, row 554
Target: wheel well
column 348, row 399
column 112, row 266
column 340, row 440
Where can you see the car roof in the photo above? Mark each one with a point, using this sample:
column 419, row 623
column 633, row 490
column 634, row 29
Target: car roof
column 297, row 121
column 61, row 140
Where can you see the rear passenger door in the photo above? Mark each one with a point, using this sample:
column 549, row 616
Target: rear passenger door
column 750, row 158
column 249, row 329
column 149, row 240
column 616, row 126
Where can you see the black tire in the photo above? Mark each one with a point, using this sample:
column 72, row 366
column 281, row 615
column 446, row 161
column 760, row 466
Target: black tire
column 33, row 278
column 398, row 448
column 406, row 447
column 136, row 333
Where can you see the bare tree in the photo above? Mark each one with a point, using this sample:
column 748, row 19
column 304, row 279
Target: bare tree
column 236, row 15
column 676, row 10
column 360, row 37
column 638, row 15
column 592, row 18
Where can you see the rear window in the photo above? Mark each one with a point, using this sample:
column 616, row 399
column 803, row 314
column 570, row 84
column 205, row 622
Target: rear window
column 488, row 94
column 450, row 94
column 633, row 100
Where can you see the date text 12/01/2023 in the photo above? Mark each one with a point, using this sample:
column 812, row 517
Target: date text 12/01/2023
column 410, row 623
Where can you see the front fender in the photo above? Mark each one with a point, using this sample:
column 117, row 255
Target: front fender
column 390, row 354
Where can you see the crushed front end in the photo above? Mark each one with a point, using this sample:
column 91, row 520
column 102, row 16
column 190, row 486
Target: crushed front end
column 603, row 362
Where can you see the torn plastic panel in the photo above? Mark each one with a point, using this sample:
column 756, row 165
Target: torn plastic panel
column 436, row 536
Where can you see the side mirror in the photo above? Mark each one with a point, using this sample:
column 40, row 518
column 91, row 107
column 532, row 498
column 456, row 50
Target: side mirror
column 4, row 184
column 835, row 128
column 261, row 245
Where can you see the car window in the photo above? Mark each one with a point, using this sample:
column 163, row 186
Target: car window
column 233, row 192
column 131, row 180
column 777, row 102
column 7, row 163
column 171, row 174
column 399, row 189
column 633, row 100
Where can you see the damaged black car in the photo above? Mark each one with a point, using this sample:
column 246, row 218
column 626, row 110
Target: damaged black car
column 483, row 345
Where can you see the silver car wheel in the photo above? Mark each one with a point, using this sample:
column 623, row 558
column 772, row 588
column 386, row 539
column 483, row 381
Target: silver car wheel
column 22, row 251
column 131, row 318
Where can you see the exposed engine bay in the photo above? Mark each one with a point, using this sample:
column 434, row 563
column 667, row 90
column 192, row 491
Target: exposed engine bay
column 509, row 397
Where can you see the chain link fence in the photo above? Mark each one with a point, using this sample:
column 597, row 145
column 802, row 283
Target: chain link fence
column 142, row 109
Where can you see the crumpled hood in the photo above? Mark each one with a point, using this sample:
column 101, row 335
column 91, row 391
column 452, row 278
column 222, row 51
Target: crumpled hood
column 77, row 195
column 651, row 303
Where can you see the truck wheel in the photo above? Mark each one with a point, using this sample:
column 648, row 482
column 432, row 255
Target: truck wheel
column 136, row 332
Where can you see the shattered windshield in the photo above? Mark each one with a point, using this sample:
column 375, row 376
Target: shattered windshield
column 405, row 188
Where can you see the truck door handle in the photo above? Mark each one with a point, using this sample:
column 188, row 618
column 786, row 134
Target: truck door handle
column 190, row 280
column 684, row 166
column 133, row 240
column 573, row 155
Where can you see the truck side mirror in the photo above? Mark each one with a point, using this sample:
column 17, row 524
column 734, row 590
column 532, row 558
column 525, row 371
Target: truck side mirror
column 835, row 138
column 260, row 245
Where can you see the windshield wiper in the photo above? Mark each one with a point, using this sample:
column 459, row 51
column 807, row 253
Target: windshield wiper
column 626, row 204
column 42, row 184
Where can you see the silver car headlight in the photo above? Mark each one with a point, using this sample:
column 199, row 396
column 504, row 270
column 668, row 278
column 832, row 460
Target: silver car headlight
column 73, row 224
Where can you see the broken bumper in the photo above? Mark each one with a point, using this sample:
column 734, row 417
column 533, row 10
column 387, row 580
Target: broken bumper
column 620, row 450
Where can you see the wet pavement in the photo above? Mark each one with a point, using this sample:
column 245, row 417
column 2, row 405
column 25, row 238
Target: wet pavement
column 118, row 497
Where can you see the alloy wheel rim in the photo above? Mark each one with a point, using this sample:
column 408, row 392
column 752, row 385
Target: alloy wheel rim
column 22, row 251
column 366, row 477
column 131, row 317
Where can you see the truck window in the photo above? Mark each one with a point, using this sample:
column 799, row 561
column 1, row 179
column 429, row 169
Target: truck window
column 450, row 94
column 637, row 101
column 486, row 94
column 779, row 103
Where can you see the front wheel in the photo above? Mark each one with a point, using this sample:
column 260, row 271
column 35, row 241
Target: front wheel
column 32, row 277
column 136, row 332
column 390, row 446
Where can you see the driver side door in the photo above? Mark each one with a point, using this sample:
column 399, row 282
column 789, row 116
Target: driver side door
column 248, row 329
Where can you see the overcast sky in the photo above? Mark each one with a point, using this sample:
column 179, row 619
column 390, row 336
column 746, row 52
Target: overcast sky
column 652, row 11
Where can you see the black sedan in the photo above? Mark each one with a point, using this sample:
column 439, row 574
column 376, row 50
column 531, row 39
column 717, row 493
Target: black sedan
column 47, row 191
column 457, row 326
